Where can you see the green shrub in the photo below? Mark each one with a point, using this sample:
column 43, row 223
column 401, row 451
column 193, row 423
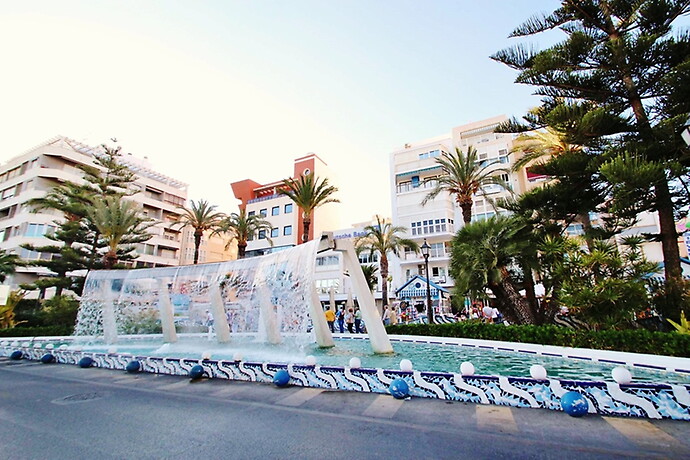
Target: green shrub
column 634, row 341
column 40, row 331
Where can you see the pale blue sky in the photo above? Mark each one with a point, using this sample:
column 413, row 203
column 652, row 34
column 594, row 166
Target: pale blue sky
column 218, row 91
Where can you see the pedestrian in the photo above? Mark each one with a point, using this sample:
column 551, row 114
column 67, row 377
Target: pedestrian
column 341, row 319
column 330, row 319
column 488, row 312
column 350, row 320
column 384, row 317
column 358, row 320
column 392, row 316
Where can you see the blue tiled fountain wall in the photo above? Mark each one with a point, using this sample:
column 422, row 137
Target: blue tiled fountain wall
column 654, row 401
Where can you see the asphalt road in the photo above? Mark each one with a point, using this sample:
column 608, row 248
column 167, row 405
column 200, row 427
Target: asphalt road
column 65, row 412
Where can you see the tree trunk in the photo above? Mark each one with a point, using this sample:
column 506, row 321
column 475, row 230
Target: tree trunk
column 110, row 260
column 530, row 295
column 664, row 203
column 466, row 208
column 384, row 279
column 511, row 298
column 197, row 243
column 241, row 250
column 306, row 223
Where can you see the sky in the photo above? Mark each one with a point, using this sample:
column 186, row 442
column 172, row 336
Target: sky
column 213, row 92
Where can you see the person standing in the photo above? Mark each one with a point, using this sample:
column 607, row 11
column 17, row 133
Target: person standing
column 384, row 317
column 341, row 319
column 358, row 320
column 392, row 316
column 330, row 319
column 350, row 320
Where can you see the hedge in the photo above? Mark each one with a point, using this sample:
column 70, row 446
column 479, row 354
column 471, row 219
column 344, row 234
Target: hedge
column 634, row 341
column 38, row 331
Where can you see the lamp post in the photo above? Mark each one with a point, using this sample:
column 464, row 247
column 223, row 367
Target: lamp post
column 429, row 309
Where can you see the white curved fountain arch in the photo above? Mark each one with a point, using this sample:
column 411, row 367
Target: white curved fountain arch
column 271, row 296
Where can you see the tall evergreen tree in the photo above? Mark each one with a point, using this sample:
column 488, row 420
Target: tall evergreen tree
column 78, row 241
column 617, row 82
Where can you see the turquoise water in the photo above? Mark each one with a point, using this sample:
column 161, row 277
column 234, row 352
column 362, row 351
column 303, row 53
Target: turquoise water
column 424, row 357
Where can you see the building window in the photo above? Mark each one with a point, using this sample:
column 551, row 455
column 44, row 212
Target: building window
column 275, row 210
column 38, row 230
column 327, row 260
column 251, row 213
column 263, row 212
column 275, row 232
column 288, row 208
column 262, row 234
column 287, row 230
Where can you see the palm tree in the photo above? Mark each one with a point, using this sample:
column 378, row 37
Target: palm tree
column 384, row 238
column 370, row 274
column 486, row 255
column 201, row 216
column 463, row 177
column 8, row 264
column 308, row 193
column 540, row 145
column 119, row 223
column 241, row 227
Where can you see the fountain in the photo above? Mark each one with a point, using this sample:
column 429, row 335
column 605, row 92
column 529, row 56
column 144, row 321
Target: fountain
column 269, row 297
column 261, row 320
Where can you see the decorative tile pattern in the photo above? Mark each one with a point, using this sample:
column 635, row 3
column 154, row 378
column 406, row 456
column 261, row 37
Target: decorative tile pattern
column 605, row 398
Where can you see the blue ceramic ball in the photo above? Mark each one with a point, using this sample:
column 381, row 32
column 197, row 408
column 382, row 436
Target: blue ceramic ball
column 399, row 389
column 47, row 358
column 16, row 355
column 281, row 378
column 574, row 404
column 196, row 372
column 86, row 361
column 133, row 366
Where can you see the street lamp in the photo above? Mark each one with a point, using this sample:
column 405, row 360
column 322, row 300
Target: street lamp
column 429, row 310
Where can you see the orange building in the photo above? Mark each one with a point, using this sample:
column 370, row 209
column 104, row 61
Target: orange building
column 281, row 212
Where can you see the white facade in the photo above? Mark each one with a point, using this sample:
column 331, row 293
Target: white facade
column 413, row 169
column 34, row 173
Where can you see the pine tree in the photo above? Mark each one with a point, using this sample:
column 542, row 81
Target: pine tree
column 618, row 83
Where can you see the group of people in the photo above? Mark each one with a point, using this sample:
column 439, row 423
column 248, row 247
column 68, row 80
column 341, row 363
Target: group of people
column 350, row 318
column 486, row 313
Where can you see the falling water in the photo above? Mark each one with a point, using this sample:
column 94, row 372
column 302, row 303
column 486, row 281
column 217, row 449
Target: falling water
column 264, row 296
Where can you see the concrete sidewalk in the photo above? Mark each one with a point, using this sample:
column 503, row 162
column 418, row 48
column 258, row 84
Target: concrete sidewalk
column 60, row 411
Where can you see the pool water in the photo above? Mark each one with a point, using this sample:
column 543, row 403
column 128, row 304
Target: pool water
column 424, row 357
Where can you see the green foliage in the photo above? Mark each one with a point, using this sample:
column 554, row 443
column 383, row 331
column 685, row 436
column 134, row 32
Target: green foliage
column 634, row 341
column 38, row 331
column 617, row 85
column 60, row 311
column 308, row 193
column 683, row 327
column 201, row 216
column 370, row 274
column 464, row 176
column 8, row 264
column 241, row 227
column 7, row 314
column 603, row 285
column 493, row 254
column 146, row 321
column 383, row 239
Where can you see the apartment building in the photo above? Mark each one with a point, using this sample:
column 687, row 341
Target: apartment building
column 212, row 248
column 413, row 169
column 35, row 172
column 281, row 212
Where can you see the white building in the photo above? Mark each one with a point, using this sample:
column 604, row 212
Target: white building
column 34, row 173
column 413, row 169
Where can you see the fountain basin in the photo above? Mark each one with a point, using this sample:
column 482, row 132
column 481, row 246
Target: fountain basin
column 670, row 399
